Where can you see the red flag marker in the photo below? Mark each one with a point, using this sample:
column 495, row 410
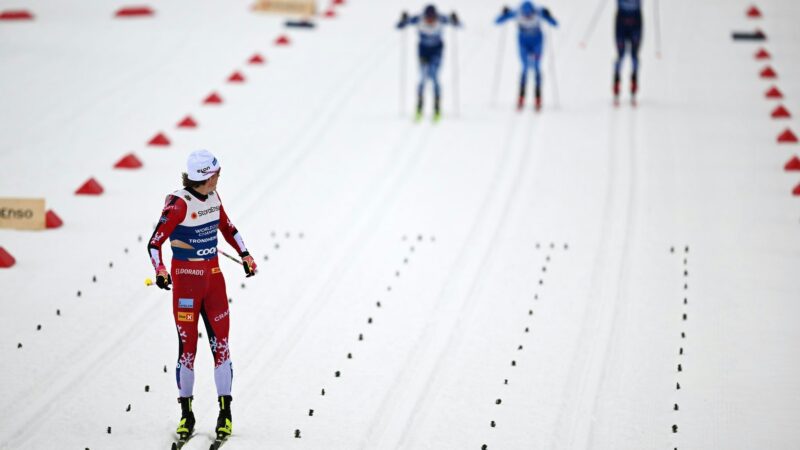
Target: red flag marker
column 256, row 59
column 159, row 140
column 768, row 72
column 236, row 77
column 763, row 54
column 51, row 220
column 213, row 99
column 282, row 40
column 753, row 12
column 6, row 260
column 774, row 92
column 781, row 113
column 90, row 187
column 129, row 161
column 787, row 137
column 17, row 14
column 187, row 122
column 792, row 165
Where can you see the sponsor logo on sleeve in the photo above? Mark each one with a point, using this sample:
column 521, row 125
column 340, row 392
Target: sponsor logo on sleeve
column 186, row 303
column 221, row 316
column 185, row 316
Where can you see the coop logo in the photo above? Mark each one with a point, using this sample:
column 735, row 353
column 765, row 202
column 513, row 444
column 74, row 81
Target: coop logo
column 185, row 317
column 221, row 316
column 13, row 213
column 186, row 303
column 184, row 271
column 207, row 251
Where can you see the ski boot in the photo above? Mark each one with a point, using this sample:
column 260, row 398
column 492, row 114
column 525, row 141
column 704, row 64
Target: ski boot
column 437, row 113
column 418, row 115
column 537, row 102
column 224, row 420
column 616, row 89
column 521, row 99
column 186, row 424
column 634, row 88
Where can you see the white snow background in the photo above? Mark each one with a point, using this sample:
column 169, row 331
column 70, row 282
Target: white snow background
column 564, row 263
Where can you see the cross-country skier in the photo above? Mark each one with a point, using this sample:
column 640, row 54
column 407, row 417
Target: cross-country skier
column 531, row 40
column 190, row 219
column 628, row 34
column 430, row 25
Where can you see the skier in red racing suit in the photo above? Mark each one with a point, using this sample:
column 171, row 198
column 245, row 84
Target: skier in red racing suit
column 190, row 219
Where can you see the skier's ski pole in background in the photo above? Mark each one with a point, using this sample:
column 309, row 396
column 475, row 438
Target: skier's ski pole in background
column 551, row 63
column 657, row 18
column 593, row 23
column 403, row 55
column 456, row 99
column 498, row 67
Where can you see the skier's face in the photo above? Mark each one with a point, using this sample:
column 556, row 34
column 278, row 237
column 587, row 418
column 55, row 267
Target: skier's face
column 430, row 20
column 212, row 182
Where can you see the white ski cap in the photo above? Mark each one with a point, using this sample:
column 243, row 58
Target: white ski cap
column 201, row 165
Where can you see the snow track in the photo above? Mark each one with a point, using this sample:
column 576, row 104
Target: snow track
column 497, row 280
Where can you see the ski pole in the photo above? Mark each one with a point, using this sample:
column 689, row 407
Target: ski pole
column 593, row 23
column 551, row 63
column 403, row 55
column 455, row 71
column 498, row 67
column 149, row 281
column 658, row 28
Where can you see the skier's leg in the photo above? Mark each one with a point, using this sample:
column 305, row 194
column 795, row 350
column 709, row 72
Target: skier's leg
column 635, row 42
column 619, row 35
column 187, row 297
column 215, row 314
column 433, row 74
column 536, row 57
column 523, row 78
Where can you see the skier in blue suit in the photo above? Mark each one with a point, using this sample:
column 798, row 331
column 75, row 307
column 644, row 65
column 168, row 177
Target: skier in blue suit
column 531, row 39
column 628, row 35
column 430, row 25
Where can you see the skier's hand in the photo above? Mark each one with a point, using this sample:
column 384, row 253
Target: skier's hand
column 506, row 10
column 454, row 19
column 163, row 279
column 249, row 265
column 403, row 20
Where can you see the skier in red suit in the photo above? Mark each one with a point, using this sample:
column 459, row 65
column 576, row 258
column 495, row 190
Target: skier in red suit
column 190, row 219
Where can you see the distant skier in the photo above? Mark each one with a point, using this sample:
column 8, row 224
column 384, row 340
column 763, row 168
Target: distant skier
column 628, row 34
column 430, row 26
column 190, row 219
column 531, row 40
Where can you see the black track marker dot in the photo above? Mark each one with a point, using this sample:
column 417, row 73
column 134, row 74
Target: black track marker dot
column 484, row 447
column 110, row 264
column 19, row 344
column 38, row 327
column 369, row 320
column 128, row 409
column 360, row 337
column 337, row 374
column 79, row 293
column 388, row 288
column 513, row 363
column 527, row 329
column 677, row 386
column 310, row 412
column 165, row 368
column 266, row 257
column 675, row 407
column 685, row 301
column 498, row 401
column 323, row 392
column 58, row 312
column 94, row 278
column 683, row 335
column 277, row 246
column 537, row 245
column 405, row 260
column 674, row 428
column 200, row 334
column 230, row 300
column 378, row 304
column 530, row 312
column 672, row 249
column 140, row 238
column 297, row 434
column 541, row 281
column 349, row 356
column 519, row 348
column 685, row 316
column 536, row 296
column 108, row 430
column 126, row 249
column 680, row 351
column 147, row 388
column 492, row 424
column 680, row 368
column 505, row 381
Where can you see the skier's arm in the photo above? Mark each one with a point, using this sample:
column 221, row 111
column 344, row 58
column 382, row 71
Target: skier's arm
column 231, row 234
column 173, row 213
column 548, row 17
column 234, row 238
column 506, row 15
column 406, row 20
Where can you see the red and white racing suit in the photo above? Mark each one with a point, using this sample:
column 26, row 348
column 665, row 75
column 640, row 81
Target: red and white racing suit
column 190, row 220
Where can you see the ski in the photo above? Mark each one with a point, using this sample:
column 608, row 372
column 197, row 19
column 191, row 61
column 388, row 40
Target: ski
column 218, row 443
column 177, row 445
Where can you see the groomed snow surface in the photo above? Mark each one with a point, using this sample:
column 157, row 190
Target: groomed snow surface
column 586, row 277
